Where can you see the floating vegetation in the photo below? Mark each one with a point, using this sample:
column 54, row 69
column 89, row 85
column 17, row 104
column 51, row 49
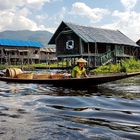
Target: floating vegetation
column 125, row 65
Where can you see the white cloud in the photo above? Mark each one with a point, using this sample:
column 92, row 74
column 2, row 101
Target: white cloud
column 41, row 18
column 5, row 19
column 15, row 21
column 52, row 30
column 34, row 4
column 24, row 14
column 7, row 4
column 18, row 14
column 58, row 17
column 129, row 4
column 62, row 13
column 95, row 14
column 127, row 22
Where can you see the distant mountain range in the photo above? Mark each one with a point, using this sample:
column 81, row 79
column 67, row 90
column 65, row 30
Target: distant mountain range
column 41, row 36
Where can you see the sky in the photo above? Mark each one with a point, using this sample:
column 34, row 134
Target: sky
column 122, row 15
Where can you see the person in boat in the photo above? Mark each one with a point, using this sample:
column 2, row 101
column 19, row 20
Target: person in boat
column 79, row 71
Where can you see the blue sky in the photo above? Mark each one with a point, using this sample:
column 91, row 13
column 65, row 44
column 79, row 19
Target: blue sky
column 123, row 15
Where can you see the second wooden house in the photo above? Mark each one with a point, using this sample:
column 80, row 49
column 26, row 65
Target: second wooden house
column 19, row 51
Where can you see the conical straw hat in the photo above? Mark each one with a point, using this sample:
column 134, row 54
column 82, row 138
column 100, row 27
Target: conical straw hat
column 81, row 60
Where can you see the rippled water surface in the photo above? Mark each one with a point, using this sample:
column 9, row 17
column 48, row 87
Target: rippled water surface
column 39, row 112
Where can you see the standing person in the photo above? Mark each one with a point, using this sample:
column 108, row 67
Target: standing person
column 79, row 70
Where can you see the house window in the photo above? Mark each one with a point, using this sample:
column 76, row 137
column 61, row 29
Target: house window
column 119, row 50
column 23, row 53
column 13, row 53
column 108, row 48
column 36, row 51
column 70, row 45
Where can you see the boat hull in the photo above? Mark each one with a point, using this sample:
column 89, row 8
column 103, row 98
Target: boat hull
column 73, row 82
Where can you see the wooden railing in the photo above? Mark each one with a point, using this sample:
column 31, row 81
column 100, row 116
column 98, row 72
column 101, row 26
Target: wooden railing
column 31, row 56
column 105, row 58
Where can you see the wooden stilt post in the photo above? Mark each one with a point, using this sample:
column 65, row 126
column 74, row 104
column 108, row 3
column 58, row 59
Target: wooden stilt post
column 88, row 55
column 95, row 54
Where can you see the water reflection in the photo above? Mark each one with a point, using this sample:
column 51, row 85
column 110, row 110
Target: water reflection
column 41, row 112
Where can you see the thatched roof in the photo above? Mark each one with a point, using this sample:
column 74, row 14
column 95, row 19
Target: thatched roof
column 99, row 35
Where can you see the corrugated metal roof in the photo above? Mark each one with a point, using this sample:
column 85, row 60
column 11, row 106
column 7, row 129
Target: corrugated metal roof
column 20, row 43
column 99, row 35
column 90, row 34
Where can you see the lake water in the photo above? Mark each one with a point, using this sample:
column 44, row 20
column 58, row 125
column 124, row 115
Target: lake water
column 38, row 112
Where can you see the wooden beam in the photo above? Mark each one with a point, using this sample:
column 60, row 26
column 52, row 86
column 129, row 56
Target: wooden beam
column 88, row 55
column 95, row 53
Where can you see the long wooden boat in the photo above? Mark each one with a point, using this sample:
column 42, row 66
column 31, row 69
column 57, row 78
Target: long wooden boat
column 73, row 82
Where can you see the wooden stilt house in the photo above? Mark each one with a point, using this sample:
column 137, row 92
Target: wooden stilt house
column 19, row 51
column 48, row 55
column 98, row 46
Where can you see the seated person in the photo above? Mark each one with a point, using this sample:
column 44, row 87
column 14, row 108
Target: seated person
column 79, row 70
